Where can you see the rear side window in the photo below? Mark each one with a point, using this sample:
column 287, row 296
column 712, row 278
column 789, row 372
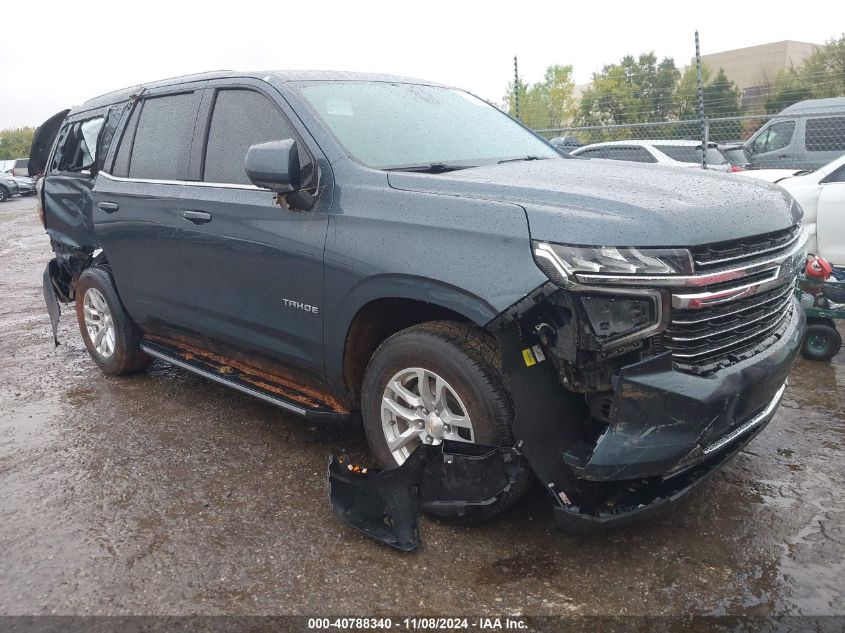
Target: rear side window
column 22, row 163
column 124, row 150
column 691, row 154
column 593, row 153
column 162, row 143
column 825, row 135
column 76, row 149
column 633, row 154
column 241, row 118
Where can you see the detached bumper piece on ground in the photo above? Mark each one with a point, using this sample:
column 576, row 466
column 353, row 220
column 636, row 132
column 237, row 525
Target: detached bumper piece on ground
column 451, row 479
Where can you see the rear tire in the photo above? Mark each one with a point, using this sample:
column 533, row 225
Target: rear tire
column 4, row 194
column 110, row 335
column 464, row 361
column 821, row 342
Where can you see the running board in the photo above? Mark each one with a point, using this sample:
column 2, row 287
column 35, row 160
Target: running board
column 247, row 382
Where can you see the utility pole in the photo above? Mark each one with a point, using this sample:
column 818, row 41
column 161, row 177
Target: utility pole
column 701, row 118
column 516, row 86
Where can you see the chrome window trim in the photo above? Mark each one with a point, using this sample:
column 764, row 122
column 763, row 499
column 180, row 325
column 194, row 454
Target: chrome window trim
column 189, row 183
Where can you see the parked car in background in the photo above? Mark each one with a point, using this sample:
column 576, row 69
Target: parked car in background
column 8, row 187
column 806, row 135
column 20, row 168
column 821, row 193
column 566, row 143
column 774, row 175
column 26, row 185
column 663, row 152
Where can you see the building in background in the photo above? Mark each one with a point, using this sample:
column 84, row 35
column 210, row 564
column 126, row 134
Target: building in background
column 752, row 68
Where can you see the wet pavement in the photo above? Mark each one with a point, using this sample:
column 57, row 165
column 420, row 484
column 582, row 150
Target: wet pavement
column 164, row 493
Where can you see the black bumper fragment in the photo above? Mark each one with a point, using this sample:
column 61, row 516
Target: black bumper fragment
column 51, row 272
column 449, row 480
column 625, row 502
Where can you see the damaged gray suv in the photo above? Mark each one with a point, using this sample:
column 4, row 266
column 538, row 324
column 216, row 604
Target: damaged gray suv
column 359, row 247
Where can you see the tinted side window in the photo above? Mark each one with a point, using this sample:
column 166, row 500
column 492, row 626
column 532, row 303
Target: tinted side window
column 777, row 136
column 593, row 153
column 162, row 146
column 837, row 176
column 241, row 118
column 76, row 149
column 633, row 154
column 121, row 160
column 825, row 135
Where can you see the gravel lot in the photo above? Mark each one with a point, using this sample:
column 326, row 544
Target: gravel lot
column 167, row 494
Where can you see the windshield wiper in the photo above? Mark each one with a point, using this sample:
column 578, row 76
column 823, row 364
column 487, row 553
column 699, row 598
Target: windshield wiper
column 521, row 158
column 429, row 168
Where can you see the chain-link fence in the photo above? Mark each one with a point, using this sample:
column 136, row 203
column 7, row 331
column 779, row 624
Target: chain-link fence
column 806, row 136
column 647, row 109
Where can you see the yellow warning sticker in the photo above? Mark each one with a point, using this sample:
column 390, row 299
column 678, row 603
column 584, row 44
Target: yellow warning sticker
column 528, row 357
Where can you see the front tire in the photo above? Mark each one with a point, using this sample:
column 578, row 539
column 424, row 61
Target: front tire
column 110, row 335
column 4, row 194
column 435, row 381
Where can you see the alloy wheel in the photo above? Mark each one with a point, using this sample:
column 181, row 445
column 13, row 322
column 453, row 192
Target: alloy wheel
column 420, row 407
column 98, row 322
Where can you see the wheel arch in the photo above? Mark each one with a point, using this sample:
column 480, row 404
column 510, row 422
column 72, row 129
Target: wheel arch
column 382, row 307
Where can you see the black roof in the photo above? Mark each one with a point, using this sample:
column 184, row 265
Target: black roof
column 280, row 75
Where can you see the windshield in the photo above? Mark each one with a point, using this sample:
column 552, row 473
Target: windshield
column 692, row 154
column 388, row 125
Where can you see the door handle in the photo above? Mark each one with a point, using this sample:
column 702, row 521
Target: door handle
column 108, row 207
column 197, row 217
column 784, row 156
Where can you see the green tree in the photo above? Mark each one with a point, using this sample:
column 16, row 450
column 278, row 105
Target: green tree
column 546, row 104
column 823, row 72
column 721, row 100
column 787, row 88
column 560, row 92
column 510, row 98
column 15, row 142
column 636, row 90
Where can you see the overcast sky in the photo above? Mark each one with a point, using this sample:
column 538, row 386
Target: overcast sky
column 58, row 54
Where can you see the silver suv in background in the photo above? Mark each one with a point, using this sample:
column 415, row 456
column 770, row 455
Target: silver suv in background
column 663, row 152
column 20, row 168
column 807, row 135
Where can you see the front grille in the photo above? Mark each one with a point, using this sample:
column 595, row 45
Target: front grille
column 708, row 328
column 723, row 253
column 705, row 340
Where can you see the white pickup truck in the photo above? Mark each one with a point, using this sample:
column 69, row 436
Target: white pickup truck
column 821, row 193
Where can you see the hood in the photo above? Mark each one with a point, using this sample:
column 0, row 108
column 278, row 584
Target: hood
column 614, row 203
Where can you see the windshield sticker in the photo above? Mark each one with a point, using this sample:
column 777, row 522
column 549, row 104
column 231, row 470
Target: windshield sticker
column 337, row 107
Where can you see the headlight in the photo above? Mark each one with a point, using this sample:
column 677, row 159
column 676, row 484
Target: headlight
column 612, row 318
column 562, row 263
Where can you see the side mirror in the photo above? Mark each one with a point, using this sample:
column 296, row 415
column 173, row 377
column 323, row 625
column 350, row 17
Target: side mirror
column 274, row 166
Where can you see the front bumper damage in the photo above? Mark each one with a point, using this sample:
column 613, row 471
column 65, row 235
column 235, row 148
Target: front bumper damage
column 664, row 433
